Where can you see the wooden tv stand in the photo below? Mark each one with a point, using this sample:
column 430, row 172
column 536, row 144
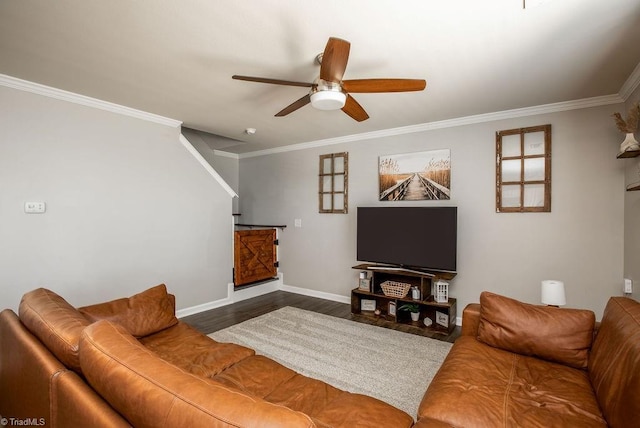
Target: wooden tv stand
column 442, row 315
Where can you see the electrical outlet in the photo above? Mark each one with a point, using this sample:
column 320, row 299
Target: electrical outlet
column 297, row 222
column 34, row 207
column 628, row 286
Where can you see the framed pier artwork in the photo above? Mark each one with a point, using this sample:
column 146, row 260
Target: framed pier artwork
column 416, row 176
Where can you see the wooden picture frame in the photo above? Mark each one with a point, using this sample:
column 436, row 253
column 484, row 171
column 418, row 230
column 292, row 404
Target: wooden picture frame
column 392, row 308
column 442, row 319
column 367, row 305
column 364, row 284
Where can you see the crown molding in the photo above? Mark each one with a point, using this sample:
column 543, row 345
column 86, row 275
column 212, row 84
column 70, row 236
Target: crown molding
column 36, row 88
column 626, row 90
column 449, row 123
column 630, row 84
column 47, row 91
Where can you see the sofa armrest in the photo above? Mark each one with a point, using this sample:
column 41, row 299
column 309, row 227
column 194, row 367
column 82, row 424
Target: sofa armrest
column 75, row 404
column 26, row 369
column 471, row 319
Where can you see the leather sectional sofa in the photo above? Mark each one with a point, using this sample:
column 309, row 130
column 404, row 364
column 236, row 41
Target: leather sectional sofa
column 130, row 362
column 520, row 365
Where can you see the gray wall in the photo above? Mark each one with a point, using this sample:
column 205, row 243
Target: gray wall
column 128, row 207
column 579, row 242
column 632, row 214
column 226, row 166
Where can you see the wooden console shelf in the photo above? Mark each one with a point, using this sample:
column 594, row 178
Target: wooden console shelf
column 442, row 315
column 626, row 155
column 633, row 188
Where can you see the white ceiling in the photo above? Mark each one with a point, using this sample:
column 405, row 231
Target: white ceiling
column 175, row 58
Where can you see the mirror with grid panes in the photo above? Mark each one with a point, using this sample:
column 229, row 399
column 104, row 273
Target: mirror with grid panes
column 523, row 169
column 333, row 183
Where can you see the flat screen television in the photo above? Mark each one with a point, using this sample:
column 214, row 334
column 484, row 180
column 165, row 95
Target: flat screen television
column 421, row 238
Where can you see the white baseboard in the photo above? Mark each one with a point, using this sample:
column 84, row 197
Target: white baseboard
column 255, row 291
column 203, row 307
column 233, row 296
column 314, row 293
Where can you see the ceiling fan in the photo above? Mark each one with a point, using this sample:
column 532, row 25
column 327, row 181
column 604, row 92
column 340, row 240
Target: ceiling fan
column 330, row 92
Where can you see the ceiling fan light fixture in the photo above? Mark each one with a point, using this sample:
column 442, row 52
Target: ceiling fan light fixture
column 328, row 100
column 330, row 92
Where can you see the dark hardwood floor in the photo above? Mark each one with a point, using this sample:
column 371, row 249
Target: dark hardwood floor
column 226, row 316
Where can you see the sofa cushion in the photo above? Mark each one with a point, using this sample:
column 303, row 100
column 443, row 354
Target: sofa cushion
column 482, row 386
column 614, row 364
column 142, row 314
column 193, row 351
column 553, row 334
column 151, row 392
column 256, row 375
column 55, row 322
column 349, row 410
column 326, row 405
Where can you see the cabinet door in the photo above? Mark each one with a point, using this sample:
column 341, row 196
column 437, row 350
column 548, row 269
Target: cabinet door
column 254, row 256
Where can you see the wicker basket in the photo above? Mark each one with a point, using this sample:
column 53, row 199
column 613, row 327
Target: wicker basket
column 395, row 289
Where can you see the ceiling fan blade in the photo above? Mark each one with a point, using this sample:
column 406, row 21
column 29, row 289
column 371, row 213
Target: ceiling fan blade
column 294, row 106
column 355, row 110
column 272, row 81
column 383, row 85
column 334, row 59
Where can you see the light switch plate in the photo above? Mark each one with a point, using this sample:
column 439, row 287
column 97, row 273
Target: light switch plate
column 628, row 285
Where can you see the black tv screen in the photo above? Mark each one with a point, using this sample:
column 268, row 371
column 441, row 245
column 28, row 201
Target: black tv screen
column 411, row 237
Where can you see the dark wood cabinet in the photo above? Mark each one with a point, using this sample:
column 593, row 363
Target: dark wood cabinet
column 382, row 308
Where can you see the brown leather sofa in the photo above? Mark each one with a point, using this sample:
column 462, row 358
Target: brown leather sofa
column 131, row 362
column 520, row 365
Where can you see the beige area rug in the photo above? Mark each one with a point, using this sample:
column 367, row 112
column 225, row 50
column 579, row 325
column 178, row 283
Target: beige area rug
column 392, row 366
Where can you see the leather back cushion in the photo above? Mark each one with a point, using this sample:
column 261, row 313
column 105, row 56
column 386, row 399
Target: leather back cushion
column 55, row 322
column 151, row 392
column 142, row 314
column 614, row 365
column 559, row 335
